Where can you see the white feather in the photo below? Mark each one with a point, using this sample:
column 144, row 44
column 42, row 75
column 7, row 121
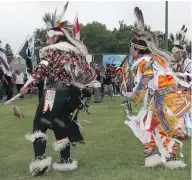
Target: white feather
column 61, row 144
column 40, row 164
column 175, row 164
column 152, row 161
column 65, row 166
column 35, row 135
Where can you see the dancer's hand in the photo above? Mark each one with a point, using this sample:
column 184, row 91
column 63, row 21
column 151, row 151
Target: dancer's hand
column 23, row 91
column 134, row 95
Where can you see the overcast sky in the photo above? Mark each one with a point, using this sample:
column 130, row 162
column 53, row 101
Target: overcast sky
column 19, row 19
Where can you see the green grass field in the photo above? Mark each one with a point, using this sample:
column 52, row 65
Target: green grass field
column 111, row 151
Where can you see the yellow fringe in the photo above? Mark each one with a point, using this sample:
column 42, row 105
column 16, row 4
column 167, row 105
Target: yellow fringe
column 171, row 119
column 187, row 95
column 139, row 96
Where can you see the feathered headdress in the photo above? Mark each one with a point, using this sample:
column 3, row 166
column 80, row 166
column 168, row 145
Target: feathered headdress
column 143, row 32
column 53, row 20
column 179, row 39
column 57, row 25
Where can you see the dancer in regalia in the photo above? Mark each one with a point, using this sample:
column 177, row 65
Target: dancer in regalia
column 161, row 115
column 182, row 64
column 67, row 74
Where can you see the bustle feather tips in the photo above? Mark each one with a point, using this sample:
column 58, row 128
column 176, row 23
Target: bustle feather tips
column 179, row 38
column 53, row 21
column 141, row 30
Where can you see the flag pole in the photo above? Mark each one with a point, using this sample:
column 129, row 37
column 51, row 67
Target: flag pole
column 75, row 18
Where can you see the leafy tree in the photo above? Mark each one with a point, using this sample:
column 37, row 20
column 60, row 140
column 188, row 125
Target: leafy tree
column 40, row 41
column 96, row 37
column 9, row 53
column 99, row 39
column 122, row 36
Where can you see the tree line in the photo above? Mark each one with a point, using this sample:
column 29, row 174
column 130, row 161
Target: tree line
column 98, row 39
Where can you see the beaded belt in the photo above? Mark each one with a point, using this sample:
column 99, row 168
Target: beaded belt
column 165, row 90
column 59, row 85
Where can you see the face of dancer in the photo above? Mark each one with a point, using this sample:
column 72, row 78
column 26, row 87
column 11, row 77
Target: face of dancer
column 134, row 52
column 177, row 53
column 52, row 40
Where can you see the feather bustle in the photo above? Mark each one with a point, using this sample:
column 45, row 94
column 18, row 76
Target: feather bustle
column 183, row 27
column 172, row 37
column 54, row 21
column 60, row 18
column 179, row 38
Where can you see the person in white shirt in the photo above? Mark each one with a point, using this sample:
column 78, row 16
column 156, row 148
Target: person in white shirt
column 19, row 80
